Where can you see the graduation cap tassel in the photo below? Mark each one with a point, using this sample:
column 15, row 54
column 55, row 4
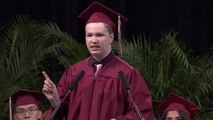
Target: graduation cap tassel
column 119, row 36
column 10, row 108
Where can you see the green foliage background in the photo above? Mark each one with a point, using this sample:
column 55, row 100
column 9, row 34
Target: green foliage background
column 29, row 46
column 169, row 67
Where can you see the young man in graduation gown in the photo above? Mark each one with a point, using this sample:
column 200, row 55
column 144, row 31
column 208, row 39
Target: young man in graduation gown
column 99, row 95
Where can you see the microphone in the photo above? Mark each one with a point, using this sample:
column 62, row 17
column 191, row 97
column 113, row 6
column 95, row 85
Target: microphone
column 124, row 81
column 127, row 88
column 71, row 88
column 75, row 82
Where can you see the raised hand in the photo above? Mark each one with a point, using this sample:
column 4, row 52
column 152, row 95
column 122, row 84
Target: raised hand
column 50, row 91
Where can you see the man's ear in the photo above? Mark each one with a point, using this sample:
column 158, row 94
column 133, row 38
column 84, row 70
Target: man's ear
column 39, row 114
column 112, row 37
column 14, row 116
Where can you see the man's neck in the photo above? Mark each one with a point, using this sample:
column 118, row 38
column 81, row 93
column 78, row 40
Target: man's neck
column 100, row 58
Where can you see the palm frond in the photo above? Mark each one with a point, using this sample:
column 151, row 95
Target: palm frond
column 168, row 67
column 26, row 47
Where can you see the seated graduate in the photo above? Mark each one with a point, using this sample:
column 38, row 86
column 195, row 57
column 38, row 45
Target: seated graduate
column 175, row 107
column 24, row 105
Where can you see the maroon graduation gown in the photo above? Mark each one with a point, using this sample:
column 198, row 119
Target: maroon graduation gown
column 103, row 97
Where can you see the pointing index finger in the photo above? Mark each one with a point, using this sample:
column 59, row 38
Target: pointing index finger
column 45, row 75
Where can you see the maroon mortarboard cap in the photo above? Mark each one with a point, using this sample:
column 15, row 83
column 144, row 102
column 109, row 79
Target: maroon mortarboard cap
column 97, row 12
column 25, row 96
column 175, row 102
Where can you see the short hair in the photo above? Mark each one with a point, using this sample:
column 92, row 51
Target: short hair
column 109, row 28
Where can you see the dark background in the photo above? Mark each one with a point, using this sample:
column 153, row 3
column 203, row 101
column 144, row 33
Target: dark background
column 193, row 19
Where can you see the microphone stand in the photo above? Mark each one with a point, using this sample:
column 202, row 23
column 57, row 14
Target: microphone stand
column 71, row 88
column 136, row 107
column 127, row 88
column 56, row 109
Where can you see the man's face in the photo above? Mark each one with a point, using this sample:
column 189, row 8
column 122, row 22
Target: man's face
column 98, row 39
column 27, row 112
column 173, row 115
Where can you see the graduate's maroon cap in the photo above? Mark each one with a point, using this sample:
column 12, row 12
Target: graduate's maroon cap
column 97, row 12
column 175, row 102
column 25, row 96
